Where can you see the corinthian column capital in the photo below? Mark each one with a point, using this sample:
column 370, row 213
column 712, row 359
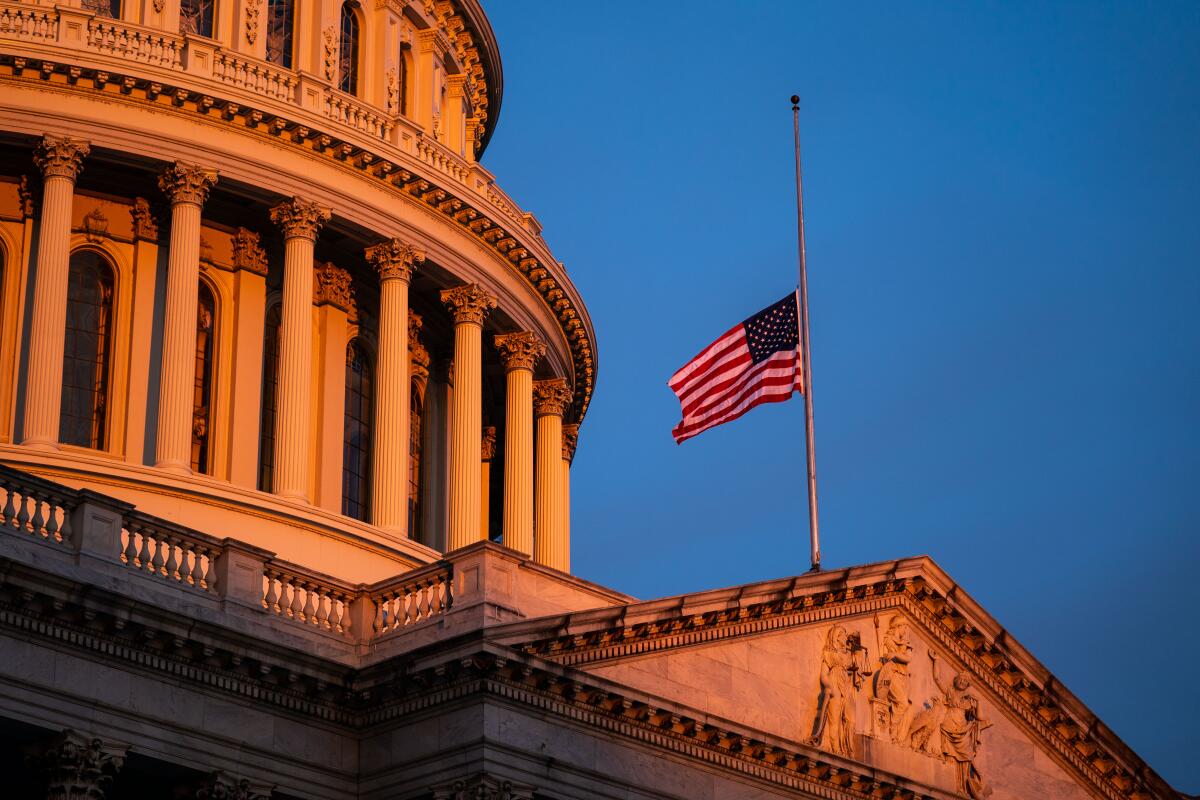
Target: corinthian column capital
column 60, row 157
column 551, row 396
column 519, row 350
column 186, row 183
column 570, row 438
column 395, row 259
column 333, row 286
column 78, row 766
column 299, row 218
column 468, row 303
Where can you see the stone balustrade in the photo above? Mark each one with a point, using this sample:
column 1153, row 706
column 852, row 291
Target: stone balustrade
column 414, row 598
column 143, row 45
column 168, row 552
column 36, row 508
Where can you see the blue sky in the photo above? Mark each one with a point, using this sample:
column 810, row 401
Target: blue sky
column 1004, row 258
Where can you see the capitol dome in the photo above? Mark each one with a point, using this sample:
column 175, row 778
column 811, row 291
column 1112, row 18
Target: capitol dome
column 257, row 283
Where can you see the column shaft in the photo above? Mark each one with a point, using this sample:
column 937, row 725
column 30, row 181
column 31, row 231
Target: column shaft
column 292, row 433
column 43, row 393
column 548, row 544
column 175, row 393
column 390, row 486
column 565, row 489
column 518, row 461
column 466, row 423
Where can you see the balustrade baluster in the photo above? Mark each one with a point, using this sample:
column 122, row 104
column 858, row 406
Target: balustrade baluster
column 173, row 543
column 297, row 603
column 322, row 610
column 309, row 609
column 23, row 513
column 129, row 553
column 271, row 600
column 156, row 563
column 10, row 509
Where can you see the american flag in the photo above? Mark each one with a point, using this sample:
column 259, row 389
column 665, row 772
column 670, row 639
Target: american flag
column 758, row 361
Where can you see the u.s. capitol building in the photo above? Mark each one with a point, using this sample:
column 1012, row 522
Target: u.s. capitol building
column 289, row 394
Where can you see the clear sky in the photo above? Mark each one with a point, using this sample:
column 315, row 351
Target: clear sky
column 1004, row 256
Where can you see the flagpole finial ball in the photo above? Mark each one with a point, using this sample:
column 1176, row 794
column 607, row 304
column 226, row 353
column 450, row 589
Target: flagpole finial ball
column 795, row 100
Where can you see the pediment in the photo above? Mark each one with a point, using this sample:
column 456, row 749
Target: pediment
column 895, row 669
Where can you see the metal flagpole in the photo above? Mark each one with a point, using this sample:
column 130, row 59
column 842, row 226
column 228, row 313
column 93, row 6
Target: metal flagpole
column 814, row 537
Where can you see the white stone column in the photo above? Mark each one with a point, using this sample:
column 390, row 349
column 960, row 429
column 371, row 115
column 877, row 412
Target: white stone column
column 187, row 188
column 60, row 161
column 570, row 438
column 550, row 400
column 469, row 304
column 518, row 352
column 394, row 261
column 300, row 220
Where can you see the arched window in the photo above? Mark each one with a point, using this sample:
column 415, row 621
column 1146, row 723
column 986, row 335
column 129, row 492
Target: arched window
column 402, row 80
column 280, row 18
column 270, row 399
column 87, row 351
column 196, row 16
column 206, row 310
column 416, row 411
column 356, row 451
column 103, row 8
column 348, row 50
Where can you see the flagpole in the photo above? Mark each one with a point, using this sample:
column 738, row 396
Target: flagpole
column 814, row 537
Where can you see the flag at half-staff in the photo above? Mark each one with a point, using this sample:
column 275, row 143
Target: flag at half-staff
column 758, row 361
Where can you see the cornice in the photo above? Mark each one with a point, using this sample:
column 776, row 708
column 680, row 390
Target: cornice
column 1043, row 707
column 495, row 233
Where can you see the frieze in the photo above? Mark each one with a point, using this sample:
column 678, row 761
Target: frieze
column 139, row 89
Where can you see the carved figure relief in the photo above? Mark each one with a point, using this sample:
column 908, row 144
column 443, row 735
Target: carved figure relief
column 950, row 728
column 843, row 670
column 891, row 706
column 26, row 196
column 252, row 9
column 330, row 50
column 95, row 225
column 144, row 224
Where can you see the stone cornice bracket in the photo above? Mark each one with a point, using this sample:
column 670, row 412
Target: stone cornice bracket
column 187, row 183
column 299, row 218
column 248, row 253
column 60, row 157
column 222, row 786
column 417, row 354
column 519, row 350
column 333, row 286
column 468, row 303
column 395, row 6
column 482, row 786
column 78, row 766
column 144, row 225
column 570, row 439
column 551, row 396
column 488, row 443
column 395, row 259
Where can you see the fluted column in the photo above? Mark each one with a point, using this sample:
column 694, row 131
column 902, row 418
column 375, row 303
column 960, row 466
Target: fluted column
column 299, row 220
column 486, row 455
column 187, row 188
column 469, row 304
column 550, row 400
column 394, row 260
column 60, row 161
column 570, row 438
column 518, row 352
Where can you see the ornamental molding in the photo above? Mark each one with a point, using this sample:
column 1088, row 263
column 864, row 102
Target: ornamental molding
column 520, row 350
column 482, row 786
column 299, row 218
column 487, row 441
column 187, row 183
column 418, row 356
column 395, row 6
column 252, row 12
column 483, row 222
column 223, row 786
column 95, row 225
column 289, row 680
column 60, row 157
column 570, row 439
column 469, row 303
column 333, row 286
column 551, row 397
column 395, row 258
column 145, row 226
column 78, row 766
column 248, row 253
column 27, row 197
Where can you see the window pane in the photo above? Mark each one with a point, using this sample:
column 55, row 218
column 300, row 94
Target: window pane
column 196, row 16
column 86, row 351
column 356, row 452
column 348, row 51
column 279, row 32
column 269, row 400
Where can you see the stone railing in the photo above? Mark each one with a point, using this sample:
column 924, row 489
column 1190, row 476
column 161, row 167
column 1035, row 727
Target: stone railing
column 255, row 76
column 226, row 570
column 443, row 159
column 32, row 24
column 412, row 599
column 144, row 45
column 341, row 107
column 36, row 508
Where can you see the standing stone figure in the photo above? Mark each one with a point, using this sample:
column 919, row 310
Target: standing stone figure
column 892, row 706
column 842, row 673
column 950, row 728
